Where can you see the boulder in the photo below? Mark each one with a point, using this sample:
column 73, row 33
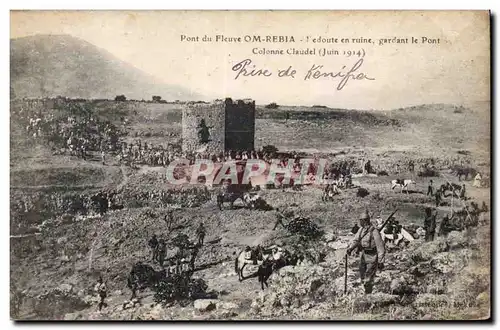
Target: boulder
column 457, row 240
column 65, row 288
column 205, row 305
column 403, row 285
column 227, row 305
column 426, row 251
column 448, row 262
column 155, row 313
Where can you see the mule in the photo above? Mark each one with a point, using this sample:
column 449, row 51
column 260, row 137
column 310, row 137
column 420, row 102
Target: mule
column 465, row 172
column 253, row 256
column 230, row 193
column 270, row 264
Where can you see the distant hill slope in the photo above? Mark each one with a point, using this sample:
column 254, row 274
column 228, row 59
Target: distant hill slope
column 52, row 65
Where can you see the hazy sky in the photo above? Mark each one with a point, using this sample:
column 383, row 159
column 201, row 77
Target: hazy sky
column 457, row 70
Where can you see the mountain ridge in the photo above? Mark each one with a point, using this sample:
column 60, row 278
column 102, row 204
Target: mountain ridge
column 64, row 65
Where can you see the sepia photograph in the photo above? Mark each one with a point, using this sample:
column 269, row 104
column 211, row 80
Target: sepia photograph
column 250, row 165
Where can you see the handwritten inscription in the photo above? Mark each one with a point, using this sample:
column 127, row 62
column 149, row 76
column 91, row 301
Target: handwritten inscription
column 246, row 68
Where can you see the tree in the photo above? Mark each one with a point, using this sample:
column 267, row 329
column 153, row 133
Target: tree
column 156, row 98
column 120, row 98
column 272, row 106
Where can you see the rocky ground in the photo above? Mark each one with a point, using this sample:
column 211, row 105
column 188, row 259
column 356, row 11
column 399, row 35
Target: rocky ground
column 56, row 258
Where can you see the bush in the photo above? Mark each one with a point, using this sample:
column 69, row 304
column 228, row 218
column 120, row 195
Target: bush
column 272, row 106
column 362, row 192
column 382, row 173
column 304, row 227
column 179, row 288
column 121, row 98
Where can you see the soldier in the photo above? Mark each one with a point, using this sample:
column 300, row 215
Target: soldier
column 484, row 207
column 169, row 217
column 100, row 288
column 411, row 166
column 161, row 252
column 429, row 224
column 444, row 228
column 437, row 197
column 102, row 203
column 153, row 244
column 430, row 189
column 369, row 242
column 200, row 233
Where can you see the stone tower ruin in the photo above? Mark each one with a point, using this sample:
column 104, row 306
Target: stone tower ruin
column 217, row 126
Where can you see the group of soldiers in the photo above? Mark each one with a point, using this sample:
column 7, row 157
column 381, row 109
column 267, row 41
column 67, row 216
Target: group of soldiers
column 147, row 154
column 179, row 264
column 83, row 204
column 78, row 133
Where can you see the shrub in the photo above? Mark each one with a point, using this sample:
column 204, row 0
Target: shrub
column 121, row 98
column 362, row 192
column 304, row 227
column 382, row 173
column 181, row 288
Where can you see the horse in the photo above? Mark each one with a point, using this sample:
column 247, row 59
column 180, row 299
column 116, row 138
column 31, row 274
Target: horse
column 402, row 183
column 248, row 256
column 143, row 276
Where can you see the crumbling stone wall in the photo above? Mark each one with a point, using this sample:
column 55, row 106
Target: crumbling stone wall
column 192, row 115
column 231, row 125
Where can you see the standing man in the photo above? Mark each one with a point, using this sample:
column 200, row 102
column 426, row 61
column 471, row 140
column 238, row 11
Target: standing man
column 101, row 291
column 161, row 251
column 430, row 189
column 429, row 224
column 153, row 244
column 200, row 233
column 371, row 245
